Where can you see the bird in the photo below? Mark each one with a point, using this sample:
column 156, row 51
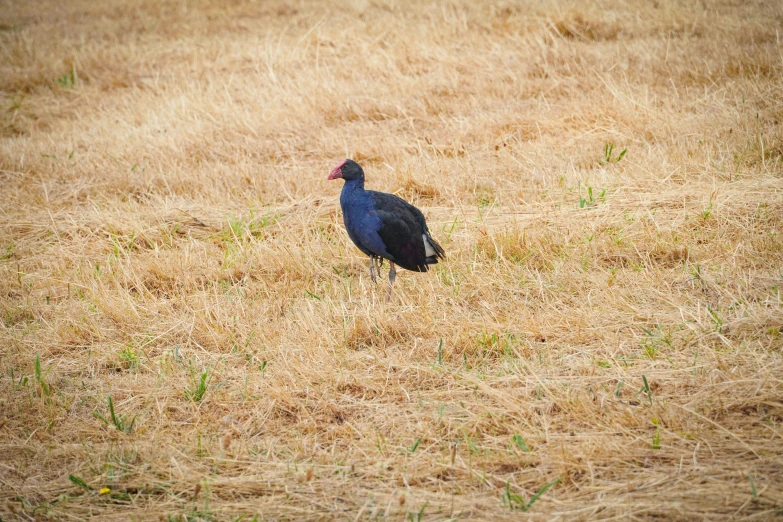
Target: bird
column 384, row 226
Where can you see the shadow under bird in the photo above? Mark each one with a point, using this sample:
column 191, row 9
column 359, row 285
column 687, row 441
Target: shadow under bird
column 384, row 226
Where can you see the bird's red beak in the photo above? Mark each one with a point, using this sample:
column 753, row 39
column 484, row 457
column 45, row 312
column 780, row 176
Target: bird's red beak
column 336, row 172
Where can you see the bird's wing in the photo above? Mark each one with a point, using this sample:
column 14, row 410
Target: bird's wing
column 404, row 245
column 402, row 230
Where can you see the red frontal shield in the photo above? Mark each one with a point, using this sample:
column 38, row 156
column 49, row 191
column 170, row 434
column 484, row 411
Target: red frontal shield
column 336, row 172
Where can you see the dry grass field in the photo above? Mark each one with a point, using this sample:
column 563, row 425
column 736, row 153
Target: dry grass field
column 187, row 333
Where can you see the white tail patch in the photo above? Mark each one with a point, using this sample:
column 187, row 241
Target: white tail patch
column 428, row 250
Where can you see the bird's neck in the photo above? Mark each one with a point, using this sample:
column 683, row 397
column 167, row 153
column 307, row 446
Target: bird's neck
column 353, row 186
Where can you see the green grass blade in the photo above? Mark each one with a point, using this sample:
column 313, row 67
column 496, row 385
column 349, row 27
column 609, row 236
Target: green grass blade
column 541, row 492
column 79, row 482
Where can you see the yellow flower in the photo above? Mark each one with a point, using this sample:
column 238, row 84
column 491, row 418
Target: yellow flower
column 103, row 491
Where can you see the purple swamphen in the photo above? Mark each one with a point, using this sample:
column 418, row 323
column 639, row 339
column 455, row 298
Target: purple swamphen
column 384, row 226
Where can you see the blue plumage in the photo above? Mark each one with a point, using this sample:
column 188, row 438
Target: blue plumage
column 361, row 219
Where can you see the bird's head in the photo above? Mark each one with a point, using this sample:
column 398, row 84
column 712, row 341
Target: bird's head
column 348, row 170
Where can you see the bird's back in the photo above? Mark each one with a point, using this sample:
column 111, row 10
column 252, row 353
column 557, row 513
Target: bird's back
column 399, row 207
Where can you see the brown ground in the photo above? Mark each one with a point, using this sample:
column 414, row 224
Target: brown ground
column 606, row 178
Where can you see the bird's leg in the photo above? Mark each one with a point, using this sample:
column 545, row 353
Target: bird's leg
column 392, row 275
column 373, row 269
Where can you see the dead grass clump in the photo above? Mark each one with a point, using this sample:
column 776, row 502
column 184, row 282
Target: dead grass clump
column 380, row 333
column 412, row 189
column 574, row 25
column 669, row 256
column 615, row 252
column 534, row 248
column 15, row 316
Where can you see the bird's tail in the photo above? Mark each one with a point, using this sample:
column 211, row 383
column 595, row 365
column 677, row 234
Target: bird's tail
column 433, row 249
